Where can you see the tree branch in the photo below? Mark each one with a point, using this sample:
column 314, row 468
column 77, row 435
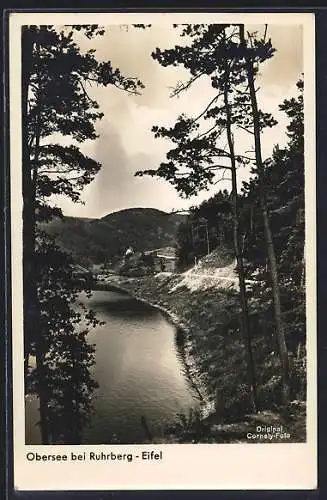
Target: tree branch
column 85, row 93
column 207, row 107
column 265, row 34
column 223, row 178
column 245, row 157
column 132, row 92
column 218, row 167
column 177, row 91
column 246, row 129
column 41, row 172
column 207, row 131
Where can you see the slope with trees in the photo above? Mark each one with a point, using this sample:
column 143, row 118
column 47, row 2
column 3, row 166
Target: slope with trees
column 99, row 241
column 230, row 60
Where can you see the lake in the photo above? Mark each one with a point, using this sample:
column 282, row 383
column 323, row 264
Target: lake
column 139, row 370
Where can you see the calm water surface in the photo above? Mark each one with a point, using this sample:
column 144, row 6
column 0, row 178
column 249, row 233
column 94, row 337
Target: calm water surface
column 139, row 371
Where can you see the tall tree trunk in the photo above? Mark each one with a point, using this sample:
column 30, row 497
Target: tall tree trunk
column 280, row 334
column 27, row 50
column 32, row 341
column 245, row 323
column 302, row 278
column 40, row 346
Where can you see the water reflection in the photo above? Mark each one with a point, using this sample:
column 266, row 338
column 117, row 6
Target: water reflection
column 122, row 305
column 142, row 385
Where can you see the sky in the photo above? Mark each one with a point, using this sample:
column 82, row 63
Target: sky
column 126, row 143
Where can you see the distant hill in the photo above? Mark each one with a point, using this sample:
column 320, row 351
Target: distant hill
column 93, row 241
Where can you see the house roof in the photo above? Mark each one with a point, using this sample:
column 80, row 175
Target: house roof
column 167, row 257
column 80, row 269
column 163, row 251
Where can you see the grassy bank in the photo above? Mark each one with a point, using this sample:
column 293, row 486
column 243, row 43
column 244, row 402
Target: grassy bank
column 205, row 305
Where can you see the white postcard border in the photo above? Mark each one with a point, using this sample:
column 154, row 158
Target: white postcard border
column 200, row 466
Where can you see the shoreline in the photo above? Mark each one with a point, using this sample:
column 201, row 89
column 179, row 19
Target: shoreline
column 213, row 355
column 190, row 364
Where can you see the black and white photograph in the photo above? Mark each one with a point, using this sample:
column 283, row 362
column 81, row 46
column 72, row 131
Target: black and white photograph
column 165, row 227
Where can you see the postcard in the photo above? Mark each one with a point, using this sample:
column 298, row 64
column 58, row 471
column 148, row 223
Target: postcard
column 163, row 234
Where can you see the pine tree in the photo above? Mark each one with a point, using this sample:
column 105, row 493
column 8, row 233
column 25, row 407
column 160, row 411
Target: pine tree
column 193, row 163
column 261, row 50
column 56, row 77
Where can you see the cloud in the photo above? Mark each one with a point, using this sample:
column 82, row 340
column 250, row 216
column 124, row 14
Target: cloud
column 285, row 68
column 130, row 49
column 115, row 186
column 126, row 142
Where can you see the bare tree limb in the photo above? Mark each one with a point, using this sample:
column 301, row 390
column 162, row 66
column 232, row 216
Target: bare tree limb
column 246, row 129
column 265, row 34
column 208, row 131
column 85, row 93
column 223, row 179
column 41, row 172
column 207, row 107
column 177, row 91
